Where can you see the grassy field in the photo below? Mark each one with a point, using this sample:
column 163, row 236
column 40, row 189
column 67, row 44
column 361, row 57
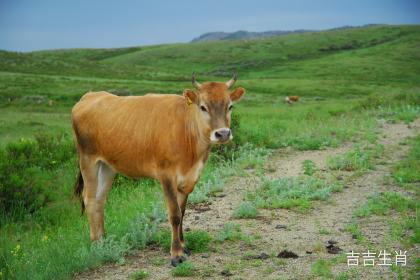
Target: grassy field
column 350, row 82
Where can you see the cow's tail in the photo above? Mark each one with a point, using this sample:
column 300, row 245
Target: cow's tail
column 78, row 190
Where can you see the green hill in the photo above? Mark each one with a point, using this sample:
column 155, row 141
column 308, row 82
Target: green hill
column 350, row 63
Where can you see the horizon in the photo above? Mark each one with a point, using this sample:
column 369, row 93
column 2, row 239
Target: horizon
column 27, row 26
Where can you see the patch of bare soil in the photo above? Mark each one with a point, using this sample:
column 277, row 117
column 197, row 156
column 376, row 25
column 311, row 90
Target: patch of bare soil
column 299, row 239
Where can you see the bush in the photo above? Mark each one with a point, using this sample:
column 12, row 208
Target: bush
column 27, row 171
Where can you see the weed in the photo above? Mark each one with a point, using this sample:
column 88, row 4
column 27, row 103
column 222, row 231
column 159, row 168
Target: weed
column 322, row 268
column 184, row 269
column 245, row 210
column 355, row 160
column 230, row 232
column 293, row 192
column 383, row 203
column 309, row 167
column 198, row 241
column 139, row 274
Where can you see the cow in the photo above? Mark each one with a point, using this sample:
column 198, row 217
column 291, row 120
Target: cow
column 167, row 137
column 291, row 99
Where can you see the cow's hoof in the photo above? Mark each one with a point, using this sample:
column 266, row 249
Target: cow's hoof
column 177, row 260
column 187, row 251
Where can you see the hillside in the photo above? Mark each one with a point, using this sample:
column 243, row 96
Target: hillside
column 374, row 54
column 243, row 35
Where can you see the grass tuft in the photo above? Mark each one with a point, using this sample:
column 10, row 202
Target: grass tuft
column 184, row 269
column 246, row 210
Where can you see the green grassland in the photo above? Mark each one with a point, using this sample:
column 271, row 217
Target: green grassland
column 347, row 80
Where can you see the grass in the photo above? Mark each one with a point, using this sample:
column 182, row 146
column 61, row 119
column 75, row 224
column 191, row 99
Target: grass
column 230, row 232
column 406, row 172
column 384, row 203
column 295, row 193
column 309, row 167
column 139, row 274
column 322, row 268
column 196, row 241
column 359, row 159
column 245, row 210
column 184, row 269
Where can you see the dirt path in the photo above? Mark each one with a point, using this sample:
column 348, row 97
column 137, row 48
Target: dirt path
column 304, row 234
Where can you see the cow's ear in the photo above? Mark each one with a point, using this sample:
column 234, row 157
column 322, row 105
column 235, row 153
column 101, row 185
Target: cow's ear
column 190, row 96
column 237, row 94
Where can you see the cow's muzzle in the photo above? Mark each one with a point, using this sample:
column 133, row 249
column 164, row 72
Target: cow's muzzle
column 221, row 135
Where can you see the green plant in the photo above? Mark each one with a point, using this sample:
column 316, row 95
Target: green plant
column 27, row 171
column 198, row 241
column 322, row 268
column 245, row 210
column 230, row 232
column 184, row 269
column 293, row 192
column 309, row 167
column 139, row 274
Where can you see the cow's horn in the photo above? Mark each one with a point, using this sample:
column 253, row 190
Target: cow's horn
column 196, row 84
column 232, row 81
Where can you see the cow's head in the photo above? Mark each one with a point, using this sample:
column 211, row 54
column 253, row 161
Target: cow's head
column 214, row 102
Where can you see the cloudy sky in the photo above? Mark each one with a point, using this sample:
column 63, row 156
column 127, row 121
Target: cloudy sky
column 49, row 24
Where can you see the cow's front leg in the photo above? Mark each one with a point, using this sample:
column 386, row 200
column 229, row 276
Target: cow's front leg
column 174, row 217
column 182, row 202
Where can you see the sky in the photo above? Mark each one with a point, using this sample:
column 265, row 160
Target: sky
column 28, row 25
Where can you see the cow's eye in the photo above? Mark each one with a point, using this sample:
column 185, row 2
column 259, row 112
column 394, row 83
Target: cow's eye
column 230, row 107
column 204, row 109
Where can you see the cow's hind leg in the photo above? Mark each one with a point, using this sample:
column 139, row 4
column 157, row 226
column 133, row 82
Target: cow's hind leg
column 174, row 217
column 105, row 178
column 97, row 181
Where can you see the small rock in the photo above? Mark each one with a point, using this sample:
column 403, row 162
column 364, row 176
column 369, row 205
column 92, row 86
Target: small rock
column 281, row 226
column 332, row 248
column 287, row 255
column 340, row 178
column 262, row 256
column 205, row 256
column 226, row 272
column 187, row 229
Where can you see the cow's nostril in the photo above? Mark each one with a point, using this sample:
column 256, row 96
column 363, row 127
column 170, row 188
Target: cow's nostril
column 222, row 134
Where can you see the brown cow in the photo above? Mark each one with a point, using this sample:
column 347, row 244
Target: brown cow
column 163, row 136
column 291, row 99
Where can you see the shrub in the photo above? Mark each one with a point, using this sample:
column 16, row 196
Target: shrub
column 27, row 171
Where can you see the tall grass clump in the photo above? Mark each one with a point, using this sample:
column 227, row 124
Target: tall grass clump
column 407, row 171
column 292, row 192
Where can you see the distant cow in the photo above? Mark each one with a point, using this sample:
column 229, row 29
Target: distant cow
column 291, row 99
column 163, row 136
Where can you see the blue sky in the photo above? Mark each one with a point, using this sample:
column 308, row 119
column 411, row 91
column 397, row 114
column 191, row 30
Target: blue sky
column 46, row 24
